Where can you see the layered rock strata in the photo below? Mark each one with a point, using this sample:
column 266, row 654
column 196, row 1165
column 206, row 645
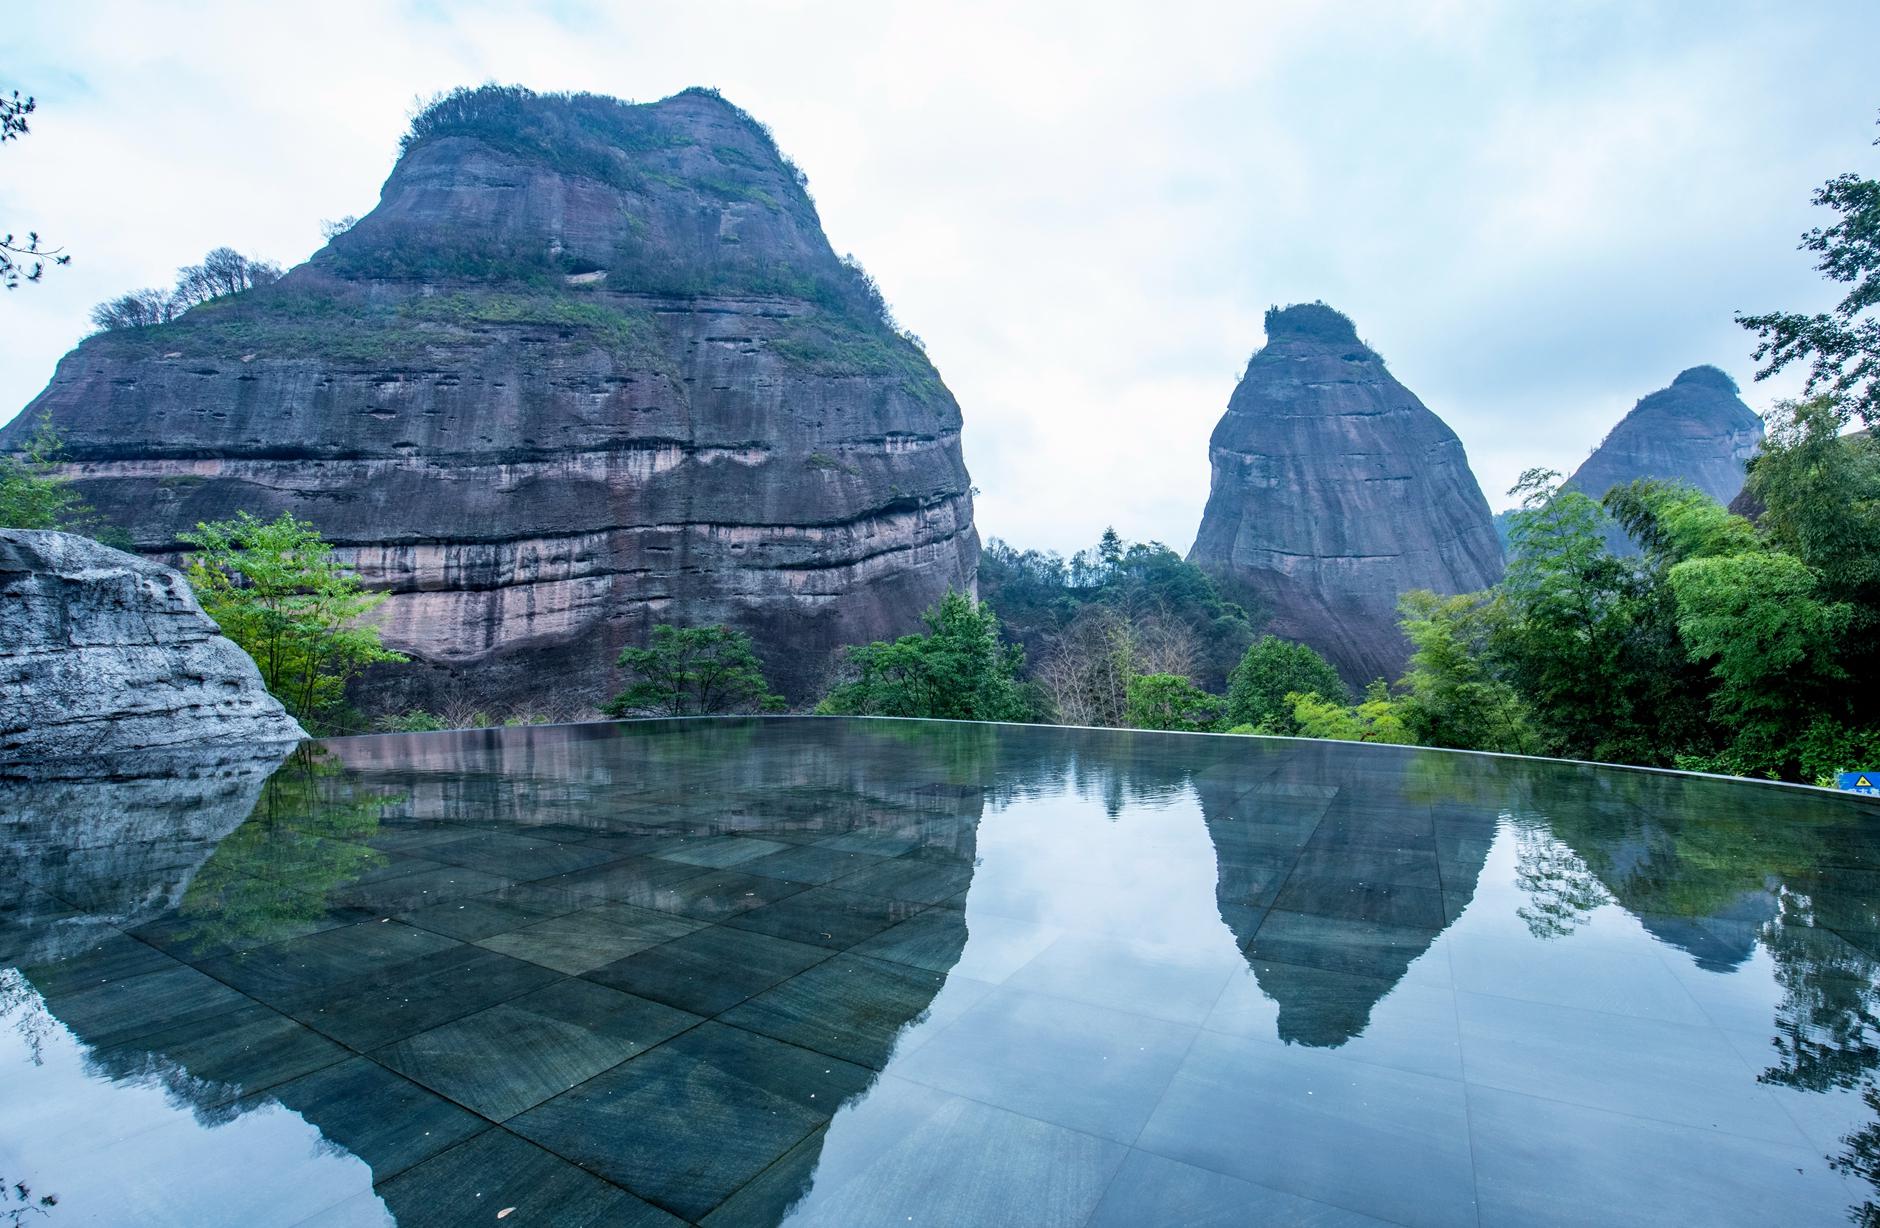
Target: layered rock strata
column 1335, row 491
column 106, row 660
column 588, row 367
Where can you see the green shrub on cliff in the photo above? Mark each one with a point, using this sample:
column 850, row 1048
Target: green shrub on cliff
column 276, row 589
column 32, row 494
column 35, row 495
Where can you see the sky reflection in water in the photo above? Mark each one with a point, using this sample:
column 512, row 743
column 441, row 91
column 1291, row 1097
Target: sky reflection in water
column 838, row 972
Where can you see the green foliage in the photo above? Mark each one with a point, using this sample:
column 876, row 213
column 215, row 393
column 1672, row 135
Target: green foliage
column 1260, row 690
column 410, row 254
column 1820, row 492
column 693, row 671
column 32, row 493
column 832, row 345
column 577, row 134
column 1757, row 619
column 1452, row 696
column 1672, row 522
column 1726, row 647
column 1586, row 637
column 277, row 590
column 415, row 721
column 1828, row 747
column 1842, row 346
column 271, row 877
column 278, row 323
column 958, row 670
column 628, row 333
column 1171, row 702
column 1040, row 594
column 1378, row 718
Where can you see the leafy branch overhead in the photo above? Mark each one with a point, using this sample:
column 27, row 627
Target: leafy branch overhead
column 1842, row 345
column 22, row 260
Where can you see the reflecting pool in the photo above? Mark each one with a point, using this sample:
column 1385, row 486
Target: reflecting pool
column 845, row 972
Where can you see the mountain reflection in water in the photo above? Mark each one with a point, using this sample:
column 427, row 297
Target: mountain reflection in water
column 835, row 972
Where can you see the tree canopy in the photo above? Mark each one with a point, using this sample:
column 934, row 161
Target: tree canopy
column 1842, row 346
column 1273, row 670
column 958, row 670
column 224, row 271
column 693, row 671
column 277, row 590
column 1172, row 702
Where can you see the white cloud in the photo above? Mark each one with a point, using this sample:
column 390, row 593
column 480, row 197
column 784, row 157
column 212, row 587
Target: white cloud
column 1538, row 214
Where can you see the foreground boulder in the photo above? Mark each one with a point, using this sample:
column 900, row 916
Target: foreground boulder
column 1697, row 431
column 107, row 660
column 1335, row 491
column 587, row 368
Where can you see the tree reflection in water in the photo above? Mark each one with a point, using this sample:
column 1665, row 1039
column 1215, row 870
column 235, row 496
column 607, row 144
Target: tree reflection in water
column 1706, row 872
column 270, row 878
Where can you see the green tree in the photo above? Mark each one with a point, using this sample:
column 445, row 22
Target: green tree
column 1171, row 702
column 1378, row 718
column 32, row 494
column 276, row 589
column 1271, row 670
column 694, row 671
column 958, row 670
column 1843, row 345
column 1453, row 697
column 1040, row 597
column 1587, row 638
column 1769, row 639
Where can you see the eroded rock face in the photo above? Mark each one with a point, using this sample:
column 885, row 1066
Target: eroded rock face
column 106, row 660
column 1335, row 491
column 1698, row 431
column 588, row 367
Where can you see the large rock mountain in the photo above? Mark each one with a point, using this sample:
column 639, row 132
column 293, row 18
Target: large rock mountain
column 1335, row 491
column 1698, row 431
column 588, row 367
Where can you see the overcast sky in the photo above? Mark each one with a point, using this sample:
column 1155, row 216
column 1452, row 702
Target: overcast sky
column 1536, row 212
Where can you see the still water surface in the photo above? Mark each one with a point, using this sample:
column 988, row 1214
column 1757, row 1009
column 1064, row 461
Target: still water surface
column 837, row 972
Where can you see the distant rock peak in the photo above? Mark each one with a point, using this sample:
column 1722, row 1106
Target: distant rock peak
column 1696, row 430
column 1335, row 491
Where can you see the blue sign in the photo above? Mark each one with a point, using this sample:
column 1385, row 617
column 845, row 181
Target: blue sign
column 1861, row 782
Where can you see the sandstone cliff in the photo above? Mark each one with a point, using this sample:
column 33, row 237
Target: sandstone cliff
column 1335, row 491
column 1695, row 431
column 106, row 660
column 587, row 367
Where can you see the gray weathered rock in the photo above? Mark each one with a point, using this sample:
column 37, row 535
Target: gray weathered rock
column 1698, row 431
column 587, row 367
column 106, row 659
column 1335, row 491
